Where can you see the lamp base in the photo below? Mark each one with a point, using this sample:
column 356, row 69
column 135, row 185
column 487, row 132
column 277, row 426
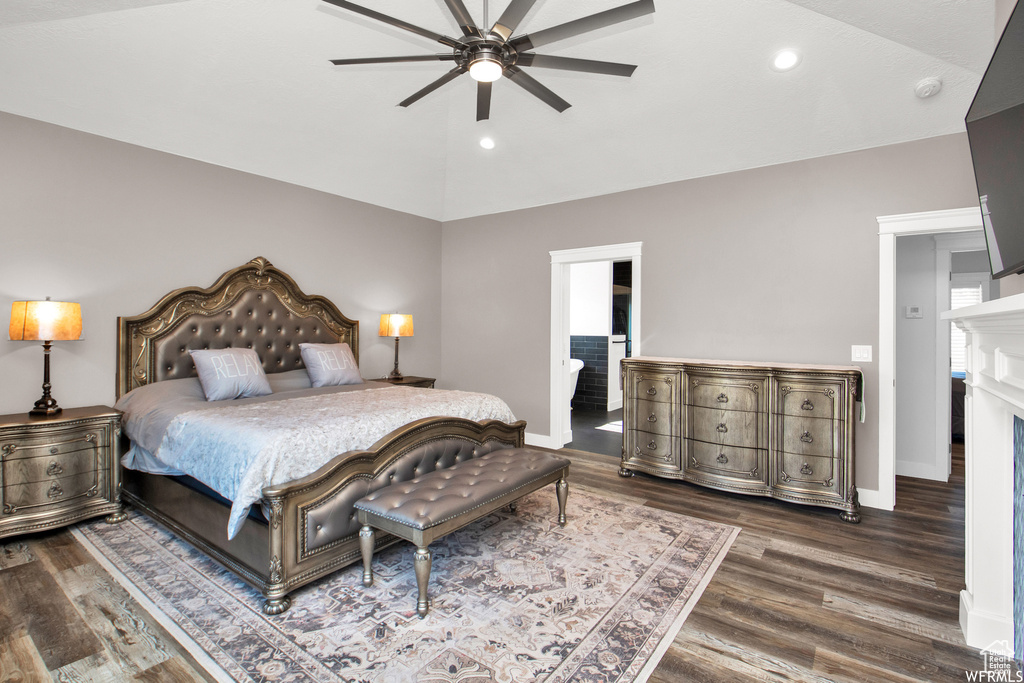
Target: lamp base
column 394, row 374
column 47, row 405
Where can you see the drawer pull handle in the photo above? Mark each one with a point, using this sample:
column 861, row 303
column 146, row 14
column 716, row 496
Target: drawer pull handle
column 652, row 418
column 806, row 469
column 806, row 437
column 722, row 398
column 54, row 469
column 54, row 450
column 722, row 458
column 807, row 405
column 722, row 428
column 55, row 491
column 652, row 446
column 652, row 391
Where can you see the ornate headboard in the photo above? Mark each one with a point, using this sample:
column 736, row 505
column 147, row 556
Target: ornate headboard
column 255, row 306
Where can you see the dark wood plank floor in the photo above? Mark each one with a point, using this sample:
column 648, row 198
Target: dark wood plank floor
column 802, row 596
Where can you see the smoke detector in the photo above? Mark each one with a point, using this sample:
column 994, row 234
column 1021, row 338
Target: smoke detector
column 927, row 87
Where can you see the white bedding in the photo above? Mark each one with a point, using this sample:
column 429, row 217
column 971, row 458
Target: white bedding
column 238, row 447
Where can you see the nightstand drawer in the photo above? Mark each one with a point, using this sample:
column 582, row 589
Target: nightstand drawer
column 54, row 491
column 56, row 443
column 27, row 470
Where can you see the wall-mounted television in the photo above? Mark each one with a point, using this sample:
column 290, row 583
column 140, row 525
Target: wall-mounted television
column 995, row 128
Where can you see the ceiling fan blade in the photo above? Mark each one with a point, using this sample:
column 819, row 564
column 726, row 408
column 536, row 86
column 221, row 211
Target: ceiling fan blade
column 572, row 64
column 483, row 100
column 461, row 14
column 387, row 60
column 397, row 23
column 569, row 29
column 510, row 18
column 451, row 75
column 532, row 86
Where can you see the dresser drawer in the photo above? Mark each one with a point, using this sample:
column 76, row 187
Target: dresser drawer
column 54, row 443
column 728, row 461
column 808, row 436
column 26, row 470
column 816, row 400
column 808, row 473
column 655, row 417
column 726, row 393
column 662, row 387
column 54, row 491
column 653, row 449
column 731, row 427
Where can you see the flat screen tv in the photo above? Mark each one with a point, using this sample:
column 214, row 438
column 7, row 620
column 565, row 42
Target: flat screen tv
column 995, row 128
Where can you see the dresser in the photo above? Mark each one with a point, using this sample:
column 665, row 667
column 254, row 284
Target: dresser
column 55, row 470
column 782, row 430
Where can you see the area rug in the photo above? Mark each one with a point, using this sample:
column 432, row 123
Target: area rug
column 515, row 598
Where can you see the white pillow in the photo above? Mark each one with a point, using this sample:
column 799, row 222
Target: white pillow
column 329, row 365
column 230, row 373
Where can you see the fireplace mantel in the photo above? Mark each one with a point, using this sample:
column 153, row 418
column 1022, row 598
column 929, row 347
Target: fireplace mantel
column 995, row 393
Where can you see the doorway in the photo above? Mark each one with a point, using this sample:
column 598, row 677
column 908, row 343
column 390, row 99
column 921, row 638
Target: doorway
column 889, row 227
column 561, row 278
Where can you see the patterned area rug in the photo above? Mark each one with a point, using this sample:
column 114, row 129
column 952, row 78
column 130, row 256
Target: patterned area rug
column 515, row 598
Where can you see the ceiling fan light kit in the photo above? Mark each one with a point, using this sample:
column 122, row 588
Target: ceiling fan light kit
column 487, row 55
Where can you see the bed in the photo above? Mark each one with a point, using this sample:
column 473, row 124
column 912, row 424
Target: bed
column 302, row 529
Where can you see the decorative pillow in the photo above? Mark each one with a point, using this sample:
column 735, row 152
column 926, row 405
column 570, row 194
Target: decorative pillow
column 230, row 373
column 330, row 364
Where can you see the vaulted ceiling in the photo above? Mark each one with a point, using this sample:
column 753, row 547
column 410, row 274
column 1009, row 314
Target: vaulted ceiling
column 247, row 84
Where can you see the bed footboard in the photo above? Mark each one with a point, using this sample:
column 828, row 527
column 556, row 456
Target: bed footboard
column 312, row 528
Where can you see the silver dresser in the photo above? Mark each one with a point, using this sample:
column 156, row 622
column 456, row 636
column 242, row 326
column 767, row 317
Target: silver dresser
column 768, row 429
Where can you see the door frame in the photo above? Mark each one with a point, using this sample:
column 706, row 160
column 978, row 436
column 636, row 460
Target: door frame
column 561, row 422
column 889, row 227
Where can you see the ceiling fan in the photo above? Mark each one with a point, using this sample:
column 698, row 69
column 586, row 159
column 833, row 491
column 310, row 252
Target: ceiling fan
column 487, row 55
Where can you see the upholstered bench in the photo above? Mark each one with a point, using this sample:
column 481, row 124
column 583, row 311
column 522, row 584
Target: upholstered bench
column 429, row 507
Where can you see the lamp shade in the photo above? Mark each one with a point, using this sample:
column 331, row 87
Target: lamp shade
column 395, row 325
column 45, row 321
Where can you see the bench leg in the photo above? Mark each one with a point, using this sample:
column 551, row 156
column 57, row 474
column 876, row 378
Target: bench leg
column 366, row 548
column 421, row 564
column 562, row 491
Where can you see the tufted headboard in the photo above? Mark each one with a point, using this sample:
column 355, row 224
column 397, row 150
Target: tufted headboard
column 255, row 306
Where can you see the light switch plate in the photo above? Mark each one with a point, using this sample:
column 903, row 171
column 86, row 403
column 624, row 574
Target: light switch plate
column 860, row 354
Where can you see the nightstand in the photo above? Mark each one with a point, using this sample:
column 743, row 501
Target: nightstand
column 59, row 469
column 411, row 381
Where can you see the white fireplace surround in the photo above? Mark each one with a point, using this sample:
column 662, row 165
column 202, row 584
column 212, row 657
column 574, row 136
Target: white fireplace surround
column 995, row 393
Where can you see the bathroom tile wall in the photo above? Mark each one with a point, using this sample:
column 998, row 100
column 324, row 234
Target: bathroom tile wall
column 592, row 387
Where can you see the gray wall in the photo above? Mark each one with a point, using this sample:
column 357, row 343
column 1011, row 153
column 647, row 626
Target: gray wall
column 116, row 227
column 916, row 349
column 777, row 264
column 969, row 262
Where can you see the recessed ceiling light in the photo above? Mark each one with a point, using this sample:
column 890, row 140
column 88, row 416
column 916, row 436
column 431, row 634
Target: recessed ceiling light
column 784, row 60
column 487, row 143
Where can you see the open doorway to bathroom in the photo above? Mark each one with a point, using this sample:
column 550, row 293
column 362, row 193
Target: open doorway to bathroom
column 600, row 336
column 595, row 319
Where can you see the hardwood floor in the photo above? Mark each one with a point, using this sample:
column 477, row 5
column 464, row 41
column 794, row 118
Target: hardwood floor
column 802, row 596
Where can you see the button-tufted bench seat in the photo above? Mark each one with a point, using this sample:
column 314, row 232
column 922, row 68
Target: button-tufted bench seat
column 429, row 507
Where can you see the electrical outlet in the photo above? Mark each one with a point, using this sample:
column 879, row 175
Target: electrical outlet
column 860, row 354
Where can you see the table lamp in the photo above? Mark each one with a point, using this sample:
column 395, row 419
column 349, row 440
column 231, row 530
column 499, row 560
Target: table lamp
column 46, row 321
column 395, row 325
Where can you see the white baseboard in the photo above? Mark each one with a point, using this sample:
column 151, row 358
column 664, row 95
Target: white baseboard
column 922, row 470
column 542, row 440
column 871, row 498
column 982, row 629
